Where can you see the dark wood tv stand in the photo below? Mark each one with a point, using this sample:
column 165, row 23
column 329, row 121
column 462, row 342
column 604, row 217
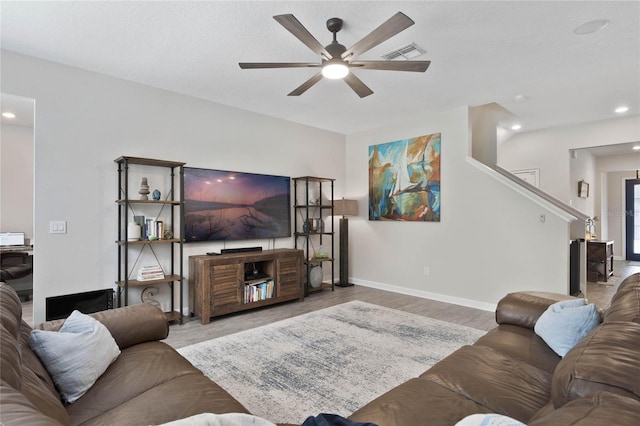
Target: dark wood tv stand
column 227, row 283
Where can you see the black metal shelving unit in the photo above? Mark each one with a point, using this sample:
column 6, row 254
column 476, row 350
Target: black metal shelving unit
column 310, row 227
column 175, row 274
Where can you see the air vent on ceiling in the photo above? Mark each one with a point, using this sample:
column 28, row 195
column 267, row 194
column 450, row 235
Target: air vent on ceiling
column 407, row 52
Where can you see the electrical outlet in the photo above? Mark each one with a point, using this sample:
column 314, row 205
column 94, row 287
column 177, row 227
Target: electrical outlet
column 427, row 270
column 542, row 218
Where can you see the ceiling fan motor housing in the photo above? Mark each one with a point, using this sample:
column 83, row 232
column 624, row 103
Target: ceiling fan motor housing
column 334, row 25
column 335, row 49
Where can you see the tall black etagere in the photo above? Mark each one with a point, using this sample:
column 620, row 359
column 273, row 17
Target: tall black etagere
column 313, row 223
column 175, row 201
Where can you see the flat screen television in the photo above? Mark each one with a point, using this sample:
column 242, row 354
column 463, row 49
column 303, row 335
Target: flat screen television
column 223, row 206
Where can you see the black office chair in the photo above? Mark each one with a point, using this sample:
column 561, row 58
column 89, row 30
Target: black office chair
column 14, row 265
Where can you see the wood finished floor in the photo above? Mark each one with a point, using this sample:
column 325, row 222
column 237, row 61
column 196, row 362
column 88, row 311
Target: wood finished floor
column 193, row 331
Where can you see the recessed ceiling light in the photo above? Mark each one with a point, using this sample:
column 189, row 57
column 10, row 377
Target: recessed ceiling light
column 622, row 109
column 8, row 115
column 637, row 147
column 516, row 127
column 591, row 27
column 520, row 98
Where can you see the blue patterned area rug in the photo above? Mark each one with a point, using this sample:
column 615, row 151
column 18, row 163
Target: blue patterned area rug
column 334, row 360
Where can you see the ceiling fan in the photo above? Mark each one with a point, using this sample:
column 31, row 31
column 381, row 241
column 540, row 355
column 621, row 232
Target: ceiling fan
column 336, row 60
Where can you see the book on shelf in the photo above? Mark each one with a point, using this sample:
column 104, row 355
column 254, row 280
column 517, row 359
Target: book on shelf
column 153, row 229
column 147, row 273
column 258, row 291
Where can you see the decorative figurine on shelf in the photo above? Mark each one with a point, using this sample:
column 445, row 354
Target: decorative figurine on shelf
column 156, row 195
column 144, row 189
column 148, row 296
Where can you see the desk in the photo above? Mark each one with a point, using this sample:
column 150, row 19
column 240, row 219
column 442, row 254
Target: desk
column 9, row 249
column 599, row 260
column 23, row 284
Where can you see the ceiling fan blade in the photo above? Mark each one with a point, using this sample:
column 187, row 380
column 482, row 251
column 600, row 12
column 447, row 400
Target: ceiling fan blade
column 357, row 85
column 294, row 26
column 306, row 85
column 249, row 65
column 388, row 29
column 415, row 66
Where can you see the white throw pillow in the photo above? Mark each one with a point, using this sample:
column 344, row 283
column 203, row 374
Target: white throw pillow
column 227, row 419
column 489, row 420
column 566, row 323
column 76, row 355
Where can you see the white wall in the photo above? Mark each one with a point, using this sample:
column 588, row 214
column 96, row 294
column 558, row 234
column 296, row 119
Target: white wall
column 85, row 120
column 16, row 175
column 489, row 241
column 583, row 168
column 549, row 149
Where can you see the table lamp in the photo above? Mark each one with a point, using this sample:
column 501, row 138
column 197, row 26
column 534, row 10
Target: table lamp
column 344, row 208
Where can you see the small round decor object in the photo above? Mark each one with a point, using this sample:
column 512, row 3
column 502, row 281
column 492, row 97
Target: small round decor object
column 156, row 195
column 315, row 276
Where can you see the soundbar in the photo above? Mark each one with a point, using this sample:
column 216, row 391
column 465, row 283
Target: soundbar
column 240, row 250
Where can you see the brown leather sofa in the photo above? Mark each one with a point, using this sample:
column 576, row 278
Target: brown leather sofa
column 149, row 383
column 511, row 371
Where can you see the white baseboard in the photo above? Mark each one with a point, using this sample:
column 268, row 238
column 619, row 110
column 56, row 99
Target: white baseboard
column 484, row 306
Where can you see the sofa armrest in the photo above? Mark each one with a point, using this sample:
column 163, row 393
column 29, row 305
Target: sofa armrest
column 129, row 325
column 523, row 308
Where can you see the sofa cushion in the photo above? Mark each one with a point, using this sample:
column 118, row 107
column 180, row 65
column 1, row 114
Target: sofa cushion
column 76, row 355
column 606, row 360
column 601, row 408
column 410, row 404
column 10, row 310
column 17, row 410
column 502, row 384
column 566, row 323
column 139, row 373
column 625, row 303
column 11, row 372
column 523, row 344
column 178, row 398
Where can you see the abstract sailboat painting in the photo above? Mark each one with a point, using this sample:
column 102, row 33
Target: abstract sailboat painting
column 404, row 180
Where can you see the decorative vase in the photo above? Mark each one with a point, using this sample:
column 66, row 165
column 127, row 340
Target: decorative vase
column 315, row 276
column 133, row 231
column 314, row 197
column 144, row 189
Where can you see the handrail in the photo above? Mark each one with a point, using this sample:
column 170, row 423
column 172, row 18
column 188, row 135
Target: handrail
column 548, row 197
column 546, row 200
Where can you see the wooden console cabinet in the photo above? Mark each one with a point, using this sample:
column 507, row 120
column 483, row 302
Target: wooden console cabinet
column 599, row 260
column 219, row 285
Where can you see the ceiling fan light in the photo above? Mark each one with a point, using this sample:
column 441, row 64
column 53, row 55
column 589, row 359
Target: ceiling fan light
column 335, row 70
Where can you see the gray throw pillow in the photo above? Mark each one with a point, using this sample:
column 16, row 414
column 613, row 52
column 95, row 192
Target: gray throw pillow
column 564, row 324
column 76, row 355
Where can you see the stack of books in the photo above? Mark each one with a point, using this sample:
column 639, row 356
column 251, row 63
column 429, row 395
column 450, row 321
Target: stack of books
column 147, row 273
column 262, row 290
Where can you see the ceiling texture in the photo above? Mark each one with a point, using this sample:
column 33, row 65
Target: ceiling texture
column 480, row 52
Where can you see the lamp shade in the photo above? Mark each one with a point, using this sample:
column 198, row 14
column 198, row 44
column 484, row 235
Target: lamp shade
column 345, row 207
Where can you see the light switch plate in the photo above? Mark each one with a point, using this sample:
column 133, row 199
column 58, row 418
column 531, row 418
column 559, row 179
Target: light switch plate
column 57, row 226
